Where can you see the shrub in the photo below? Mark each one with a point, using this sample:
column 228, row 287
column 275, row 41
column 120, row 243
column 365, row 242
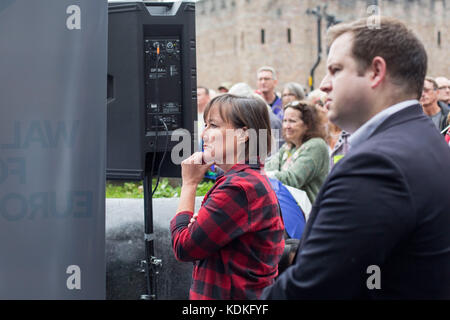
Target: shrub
column 165, row 190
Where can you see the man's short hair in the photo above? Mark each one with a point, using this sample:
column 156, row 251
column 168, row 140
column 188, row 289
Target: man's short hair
column 318, row 96
column 267, row 68
column 433, row 82
column 204, row 88
column 441, row 81
column 403, row 52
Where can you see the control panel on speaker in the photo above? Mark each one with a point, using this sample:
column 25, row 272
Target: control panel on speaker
column 151, row 86
column 163, row 86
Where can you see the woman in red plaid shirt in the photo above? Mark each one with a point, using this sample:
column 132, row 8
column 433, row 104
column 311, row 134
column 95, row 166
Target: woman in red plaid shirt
column 236, row 240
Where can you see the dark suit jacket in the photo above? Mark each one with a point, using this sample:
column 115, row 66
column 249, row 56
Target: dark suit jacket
column 386, row 203
column 445, row 110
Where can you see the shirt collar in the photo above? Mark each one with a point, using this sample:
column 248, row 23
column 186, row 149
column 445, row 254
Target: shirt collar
column 242, row 166
column 366, row 130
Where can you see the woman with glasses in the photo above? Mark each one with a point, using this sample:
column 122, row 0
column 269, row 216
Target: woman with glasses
column 303, row 161
column 292, row 91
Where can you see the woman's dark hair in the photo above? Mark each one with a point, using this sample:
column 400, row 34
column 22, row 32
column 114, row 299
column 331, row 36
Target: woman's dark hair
column 243, row 112
column 310, row 118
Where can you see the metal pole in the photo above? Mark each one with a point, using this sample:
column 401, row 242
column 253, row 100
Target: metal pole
column 151, row 263
column 317, row 13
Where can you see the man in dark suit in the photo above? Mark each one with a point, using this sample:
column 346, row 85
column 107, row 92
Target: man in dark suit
column 380, row 226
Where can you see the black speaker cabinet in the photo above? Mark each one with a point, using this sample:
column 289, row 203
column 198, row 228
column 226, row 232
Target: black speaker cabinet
column 151, row 86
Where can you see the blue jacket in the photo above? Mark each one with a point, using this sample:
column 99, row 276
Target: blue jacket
column 277, row 107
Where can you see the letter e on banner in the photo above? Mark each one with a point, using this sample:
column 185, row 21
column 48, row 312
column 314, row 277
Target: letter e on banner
column 374, row 281
column 74, row 20
column 74, row 280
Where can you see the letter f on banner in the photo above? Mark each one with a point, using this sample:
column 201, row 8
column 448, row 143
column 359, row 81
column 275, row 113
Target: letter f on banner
column 74, row 20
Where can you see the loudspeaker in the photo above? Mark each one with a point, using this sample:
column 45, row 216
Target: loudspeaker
column 152, row 87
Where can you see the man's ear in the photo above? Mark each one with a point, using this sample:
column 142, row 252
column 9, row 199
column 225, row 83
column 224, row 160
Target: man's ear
column 377, row 71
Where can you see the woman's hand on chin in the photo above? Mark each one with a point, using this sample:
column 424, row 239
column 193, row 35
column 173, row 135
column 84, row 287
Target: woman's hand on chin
column 193, row 169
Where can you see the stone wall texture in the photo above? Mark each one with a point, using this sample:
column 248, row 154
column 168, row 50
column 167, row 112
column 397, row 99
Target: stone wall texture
column 229, row 46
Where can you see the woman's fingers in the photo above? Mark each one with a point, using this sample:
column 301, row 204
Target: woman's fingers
column 195, row 158
column 194, row 217
column 193, row 170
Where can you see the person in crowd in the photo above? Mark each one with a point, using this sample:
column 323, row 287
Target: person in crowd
column 292, row 91
column 432, row 107
column 336, row 138
column 244, row 90
column 443, row 89
column 332, row 131
column 447, row 135
column 267, row 82
column 294, row 203
column 303, row 161
column 224, row 87
column 340, row 148
column 318, row 98
column 203, row 97
column 379, row 226
column 236, row 239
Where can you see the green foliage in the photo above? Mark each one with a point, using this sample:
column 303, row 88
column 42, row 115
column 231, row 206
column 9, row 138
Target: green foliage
column 124, row 190
column 204, row 187
column 164, row 190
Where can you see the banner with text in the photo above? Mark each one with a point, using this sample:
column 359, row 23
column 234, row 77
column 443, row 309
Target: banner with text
column 52, row 148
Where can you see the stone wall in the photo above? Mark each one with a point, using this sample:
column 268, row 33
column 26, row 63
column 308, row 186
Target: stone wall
column 229, row 44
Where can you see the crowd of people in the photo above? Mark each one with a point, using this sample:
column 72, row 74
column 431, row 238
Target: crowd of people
column 366, row 158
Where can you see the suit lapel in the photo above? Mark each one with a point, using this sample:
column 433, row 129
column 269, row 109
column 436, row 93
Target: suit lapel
column 408, row 114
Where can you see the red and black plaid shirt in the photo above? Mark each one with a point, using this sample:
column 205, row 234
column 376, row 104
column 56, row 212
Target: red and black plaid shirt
column 237, row 239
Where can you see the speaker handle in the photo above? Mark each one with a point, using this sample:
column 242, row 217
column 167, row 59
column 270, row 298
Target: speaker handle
column 159, row 4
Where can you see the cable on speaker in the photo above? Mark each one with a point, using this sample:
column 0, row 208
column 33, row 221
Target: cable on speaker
column 164, row 155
